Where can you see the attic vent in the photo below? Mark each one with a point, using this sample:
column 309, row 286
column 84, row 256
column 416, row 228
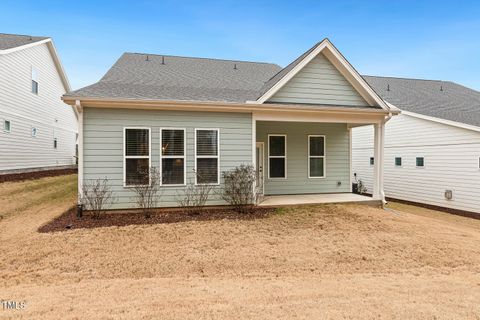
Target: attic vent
column 30, row 38
column 163, row 59
column 235, row 67
column 441, row 88
column 146, row 58
column 388, row 87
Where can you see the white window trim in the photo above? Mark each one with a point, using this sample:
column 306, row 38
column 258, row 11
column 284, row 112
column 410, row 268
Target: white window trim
column 319, row 157
column 184, row 157
column 395, row 162
column 10, row 126
column 125, row 157
column 207, row 157
column 420, row 167
column 285, row 156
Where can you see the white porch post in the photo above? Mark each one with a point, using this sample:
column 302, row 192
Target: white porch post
column 378, row 153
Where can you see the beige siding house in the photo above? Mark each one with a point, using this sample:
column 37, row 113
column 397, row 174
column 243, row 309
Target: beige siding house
column 432, row 150
column 194, row 118
column 37, row 130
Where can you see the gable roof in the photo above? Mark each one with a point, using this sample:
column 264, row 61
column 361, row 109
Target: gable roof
column 10, row 41
column 434, row 98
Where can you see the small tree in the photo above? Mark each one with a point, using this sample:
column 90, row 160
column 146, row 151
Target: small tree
column 96, row 196
column 146, row 194
column 194, row 196
column 240, row 189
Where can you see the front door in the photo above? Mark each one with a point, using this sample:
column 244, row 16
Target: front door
column 260, row 164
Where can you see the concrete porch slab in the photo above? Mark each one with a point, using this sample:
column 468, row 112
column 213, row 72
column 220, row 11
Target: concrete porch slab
column 299, row 199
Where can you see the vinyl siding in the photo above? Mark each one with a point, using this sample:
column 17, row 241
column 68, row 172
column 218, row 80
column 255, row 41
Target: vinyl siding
column 297, row 181
column 451, row 162
column 103, row 145
column 319, row 82
column 45, row 111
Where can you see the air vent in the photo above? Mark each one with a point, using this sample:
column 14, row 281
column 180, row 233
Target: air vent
column 448, row 194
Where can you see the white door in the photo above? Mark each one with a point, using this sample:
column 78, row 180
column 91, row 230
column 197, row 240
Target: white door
column 260, row 165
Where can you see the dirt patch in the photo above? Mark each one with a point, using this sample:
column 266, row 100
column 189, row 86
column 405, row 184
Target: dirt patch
column 68, row 220
column 14, row 177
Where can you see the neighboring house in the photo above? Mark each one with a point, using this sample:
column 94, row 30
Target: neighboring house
column 185, row 115
column 432, row 150
column 37, row 130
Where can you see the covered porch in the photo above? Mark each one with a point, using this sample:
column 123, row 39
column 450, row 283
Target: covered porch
column 306, row 158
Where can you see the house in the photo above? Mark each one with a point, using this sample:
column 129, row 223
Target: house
column 432, row 150
column 37, row 132
column 185, row 115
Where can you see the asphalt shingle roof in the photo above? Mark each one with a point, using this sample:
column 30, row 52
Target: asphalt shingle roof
column 435, row 98
column 9, row 41
column 156, row 77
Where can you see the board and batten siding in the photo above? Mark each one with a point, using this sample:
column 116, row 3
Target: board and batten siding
column 103, row 145
column 45, row 111
column 451, row 162
column 319, row 82
column 297, row 181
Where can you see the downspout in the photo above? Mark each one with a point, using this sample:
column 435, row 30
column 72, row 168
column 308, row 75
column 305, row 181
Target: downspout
column 382, row 190
column 78, row 108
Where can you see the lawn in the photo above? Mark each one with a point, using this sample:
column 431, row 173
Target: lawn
column 313, row 262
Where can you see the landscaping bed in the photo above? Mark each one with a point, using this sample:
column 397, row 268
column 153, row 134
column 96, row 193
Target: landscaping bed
column 68, row 220
column 32, row 175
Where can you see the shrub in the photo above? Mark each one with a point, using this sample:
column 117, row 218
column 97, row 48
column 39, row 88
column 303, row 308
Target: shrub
column 96, row 196
column 240, row 189
column 194, row 197
column 146, row 195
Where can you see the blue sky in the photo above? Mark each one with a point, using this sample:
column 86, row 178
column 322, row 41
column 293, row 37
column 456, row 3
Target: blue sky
column 418, row 39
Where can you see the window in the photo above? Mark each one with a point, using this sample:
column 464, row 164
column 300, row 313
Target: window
column 6, row 126
column 277, row 156
column 34, row 81
column 316, row 156
column 398, row 161
column 34, row 131
column 172, row 156
column 420, row 162
column 137, row 156
column 55, row 143
column 372, row 161
column 206, row 156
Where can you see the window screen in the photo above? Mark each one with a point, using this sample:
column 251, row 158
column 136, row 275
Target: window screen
column 137, row 156
column 206, row 146
column 173, row 156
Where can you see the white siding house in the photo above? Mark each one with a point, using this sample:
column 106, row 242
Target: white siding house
column 429, row 159
column 37, row 130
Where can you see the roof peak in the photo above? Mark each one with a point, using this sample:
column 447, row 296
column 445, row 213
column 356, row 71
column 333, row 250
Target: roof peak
column 199, row 58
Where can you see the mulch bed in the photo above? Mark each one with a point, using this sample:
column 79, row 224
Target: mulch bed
column 69, row 221
column 10, row 177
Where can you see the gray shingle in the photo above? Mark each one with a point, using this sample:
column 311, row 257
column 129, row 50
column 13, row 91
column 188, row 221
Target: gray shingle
column 180, row 78
column 9, row 41
column 435, row 98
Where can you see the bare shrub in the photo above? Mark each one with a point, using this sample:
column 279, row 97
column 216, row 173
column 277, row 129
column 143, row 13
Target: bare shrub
column 146, row 195
column 240, row 189
column 194, row 196
column 97, row 196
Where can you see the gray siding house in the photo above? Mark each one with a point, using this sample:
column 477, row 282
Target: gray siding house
column 194, row 118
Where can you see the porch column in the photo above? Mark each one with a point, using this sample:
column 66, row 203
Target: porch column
column 378, row 153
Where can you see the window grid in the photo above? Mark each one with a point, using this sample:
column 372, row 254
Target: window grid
column 217, row 156
column 173, row 156
column 125, row 157
column 278, row 157
column 317, row 157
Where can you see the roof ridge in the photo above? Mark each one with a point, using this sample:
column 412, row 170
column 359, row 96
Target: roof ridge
column 404, row 78
column 203, row 58
column 23, row 35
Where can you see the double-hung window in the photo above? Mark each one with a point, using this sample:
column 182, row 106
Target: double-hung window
column 172, row 156
column 34, row 81
column 316, row 156
column 277, row 156
column 137, row 156
column 206, row 156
